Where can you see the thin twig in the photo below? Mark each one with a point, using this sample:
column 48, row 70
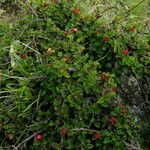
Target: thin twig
column 62, row 139
column 4, row 97
column 38, row 100
column 30, row 48
column 84, row 129
column 28, row 107
column 3, row 92
column 5, row 63
column 126, row 13
column 32, row 125
column 91, row 121
column 36, row 48
column 24, row 78
column 30, row 24
column 36, row 15
column 20, row 136
column 104, row 56
column 26, row 140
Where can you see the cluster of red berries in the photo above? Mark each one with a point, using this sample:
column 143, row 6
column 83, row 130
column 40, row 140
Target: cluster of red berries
column 63, row 132
column 113, row 120
column 106, row 38
column 124, row 110
column 76, row 11
column 125, row 52
column 132, row 29
column 24, row 55
column 104, row 76
column 97, row 136
column 114, row 89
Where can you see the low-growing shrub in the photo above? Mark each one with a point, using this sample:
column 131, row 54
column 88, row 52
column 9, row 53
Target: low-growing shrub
column 60, row 79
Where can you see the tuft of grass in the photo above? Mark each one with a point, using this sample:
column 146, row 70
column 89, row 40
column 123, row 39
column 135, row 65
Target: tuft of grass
column 109, row 10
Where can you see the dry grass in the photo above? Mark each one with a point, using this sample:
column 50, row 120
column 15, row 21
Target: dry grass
column 111, row 9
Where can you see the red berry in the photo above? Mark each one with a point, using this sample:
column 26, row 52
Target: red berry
column 75, row 30
column 113, row 120
column 106, row 38
column 103, row 76
column 124, row 111
column 97, row 136
column 121, row 106
column 125, row 52
column 114, row 89
column 132, row 29
column 39, row 137
column 24, row 55
column 76, row 11
column 63, row 132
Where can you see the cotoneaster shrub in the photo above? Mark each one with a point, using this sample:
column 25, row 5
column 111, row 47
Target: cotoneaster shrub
column 60, row 77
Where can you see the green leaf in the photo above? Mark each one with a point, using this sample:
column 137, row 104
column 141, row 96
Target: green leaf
column 60, row 54
column 68, row 26
column 105, row 99
column 89, row 146
column 107, row 140
column 27, row 93
column 51, row 124
column 66, row 74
